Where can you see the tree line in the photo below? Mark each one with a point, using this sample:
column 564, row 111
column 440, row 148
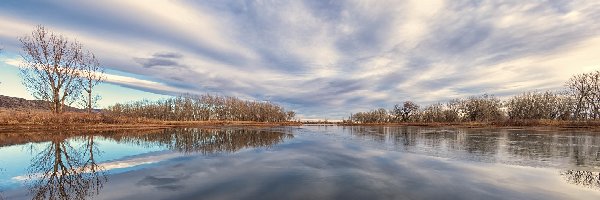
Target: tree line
column 203, row 108
column 580, row 100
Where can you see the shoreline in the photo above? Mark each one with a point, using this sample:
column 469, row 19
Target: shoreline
column 526, row 124
column 39, row 121
column 15, row 128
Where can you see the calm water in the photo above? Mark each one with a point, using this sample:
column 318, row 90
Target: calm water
column 308, row 162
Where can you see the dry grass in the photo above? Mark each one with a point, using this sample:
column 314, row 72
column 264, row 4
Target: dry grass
column 33, row 120
column 550, row 123
column 40, row 117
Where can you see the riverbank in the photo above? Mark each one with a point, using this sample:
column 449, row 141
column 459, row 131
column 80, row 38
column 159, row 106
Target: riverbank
column 501, row 124
column 34, row 120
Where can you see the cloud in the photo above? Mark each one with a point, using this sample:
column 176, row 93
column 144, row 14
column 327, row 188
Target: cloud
column 327, row 58
column 167, row 59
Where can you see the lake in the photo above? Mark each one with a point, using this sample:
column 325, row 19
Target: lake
column 305, row 162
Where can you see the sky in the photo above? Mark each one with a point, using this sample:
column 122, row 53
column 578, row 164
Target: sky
column 323, row 59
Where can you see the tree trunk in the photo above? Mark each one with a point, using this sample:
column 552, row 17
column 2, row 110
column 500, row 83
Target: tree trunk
column 89, row 103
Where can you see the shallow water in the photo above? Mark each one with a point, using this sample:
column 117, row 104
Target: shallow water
column 308, row 162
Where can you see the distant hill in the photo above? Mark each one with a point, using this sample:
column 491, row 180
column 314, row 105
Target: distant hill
column 17, row 103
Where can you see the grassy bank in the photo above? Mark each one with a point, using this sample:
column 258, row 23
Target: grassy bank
column 31, row 120
column 38, row 120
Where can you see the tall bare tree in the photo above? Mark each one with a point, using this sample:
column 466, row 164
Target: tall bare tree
column 594, row 96
column 585, row 89
column 51, row 67
column 91, row 74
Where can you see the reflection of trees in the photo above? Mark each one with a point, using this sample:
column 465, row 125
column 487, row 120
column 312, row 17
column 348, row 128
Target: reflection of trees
column 1, row 198
column 514, row 146
column 95, row 173
column 482, row 142
column 582, row 178
column 529, row 145
column 190, row 140
column 61, row 171
column 374, row 133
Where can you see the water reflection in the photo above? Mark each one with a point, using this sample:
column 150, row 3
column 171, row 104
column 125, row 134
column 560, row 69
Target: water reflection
column 582, row 178
column 1, row 196
column 322, row 162
column 563, row 149
column 61, row 171
column 193, row 140
column 66, row 167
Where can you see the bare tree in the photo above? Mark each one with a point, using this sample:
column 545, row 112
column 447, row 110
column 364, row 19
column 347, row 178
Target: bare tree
column 579, row 89
column 594, row 96
column 405, row 112
column 585, row 89
column 91, row 74
column 409, row 109
column 482, row 108
column 51, row 67
column 433, row 113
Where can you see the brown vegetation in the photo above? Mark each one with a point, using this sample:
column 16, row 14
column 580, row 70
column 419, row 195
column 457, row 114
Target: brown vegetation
column 203, row 108
column 34, row 120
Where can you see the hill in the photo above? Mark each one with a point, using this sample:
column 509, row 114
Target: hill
column 16, row 103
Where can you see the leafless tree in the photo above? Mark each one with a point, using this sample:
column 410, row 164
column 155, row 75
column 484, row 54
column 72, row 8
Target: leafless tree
column 534, row 105
column 405, row 112
column 433, row 113
column 374, row 116
column 585, row 89
column 91, row 74
column 454, row 110
column 51, row 67
column 483, row 108
column 580, row 90
column 594, row 96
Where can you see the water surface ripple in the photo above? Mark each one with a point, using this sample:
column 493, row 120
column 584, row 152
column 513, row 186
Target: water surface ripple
column 307, row 162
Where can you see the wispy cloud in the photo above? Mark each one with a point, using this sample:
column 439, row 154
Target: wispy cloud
column 327, row 58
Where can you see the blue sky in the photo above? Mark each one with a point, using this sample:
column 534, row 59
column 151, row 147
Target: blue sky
column 323, row 59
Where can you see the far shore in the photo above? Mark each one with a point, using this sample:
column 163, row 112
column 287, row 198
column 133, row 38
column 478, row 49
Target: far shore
column 15, row 121
column 530, row 124
column 23, row 128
